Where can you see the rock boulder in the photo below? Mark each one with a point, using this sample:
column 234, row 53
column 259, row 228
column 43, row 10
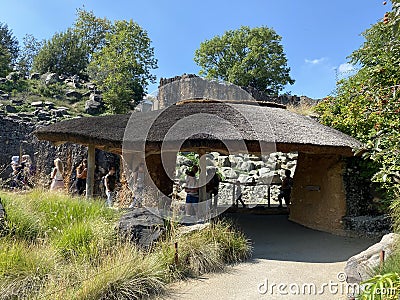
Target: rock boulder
column 141, row 226
column 360, row 267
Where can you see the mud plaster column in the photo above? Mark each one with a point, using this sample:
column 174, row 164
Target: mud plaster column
column 129, row 164
column 318, row 195
column 161, row 172
column 90, row 171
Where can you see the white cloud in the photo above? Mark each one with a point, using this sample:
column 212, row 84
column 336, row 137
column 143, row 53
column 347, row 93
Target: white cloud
column 346, row 68
column 315, row 61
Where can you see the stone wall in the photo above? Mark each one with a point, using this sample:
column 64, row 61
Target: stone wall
column 362, row 216
column 13, row 136
column 358, row 189
column 190, row 86
column 16, row 135
column 253, row 172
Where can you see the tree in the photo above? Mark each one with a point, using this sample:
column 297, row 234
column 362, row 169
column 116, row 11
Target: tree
column 122, row 67
column 8, row 49
column 91, row 30
column 30, row 49
column 367, row 104
column 246, row 57
column 63, row 54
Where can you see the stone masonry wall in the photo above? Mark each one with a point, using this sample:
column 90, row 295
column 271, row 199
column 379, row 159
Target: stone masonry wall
column 15, row 134
column 190, row 86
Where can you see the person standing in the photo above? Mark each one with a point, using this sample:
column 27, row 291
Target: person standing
column 57, row 182
column 109, row 184
column 81, row 175
column 15, row 174
column 212, row 188
column 192, row 191
column 286, row 189
column 238, row 194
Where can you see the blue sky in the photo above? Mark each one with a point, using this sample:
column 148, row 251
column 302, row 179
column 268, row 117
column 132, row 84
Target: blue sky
column 317, row 35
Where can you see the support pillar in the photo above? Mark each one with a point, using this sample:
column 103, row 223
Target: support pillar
column 90, row 171
column 203, row 176
column 318, row 197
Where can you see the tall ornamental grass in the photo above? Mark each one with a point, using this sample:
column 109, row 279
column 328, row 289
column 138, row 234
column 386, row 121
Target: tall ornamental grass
column 60, row 247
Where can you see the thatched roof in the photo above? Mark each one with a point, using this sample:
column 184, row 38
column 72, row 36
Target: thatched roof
column 204, row 124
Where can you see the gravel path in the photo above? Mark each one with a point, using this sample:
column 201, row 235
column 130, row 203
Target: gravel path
column 284, row 253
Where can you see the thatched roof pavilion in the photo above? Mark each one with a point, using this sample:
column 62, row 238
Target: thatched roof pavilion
column 318, row 196
column 254, row 123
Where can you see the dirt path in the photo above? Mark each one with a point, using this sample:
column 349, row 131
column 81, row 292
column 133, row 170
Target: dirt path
column 301, row 260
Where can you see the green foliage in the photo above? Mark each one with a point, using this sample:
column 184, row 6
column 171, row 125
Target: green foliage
column 20, row 85
column 122, row 67
column 246, row 57
column 381, row 287
column 30, row 49
column 395, row 214
column 192, row 156
column 391, row 264
column 62, row 54
column 8, row 49
column 5, row 61
column 204, row 250
column 62, row 247
column 367, row 104
column 23, row 268
column 38, row 215
column 120, row 56
column 91, row 30
column 51, row 90
column 126, row 273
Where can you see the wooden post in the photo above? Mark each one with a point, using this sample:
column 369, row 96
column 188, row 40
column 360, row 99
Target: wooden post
column 203, row 176
column 269, row 195
column 90, row 171
column 381, row 258
column 176, row 256
column 234, row 194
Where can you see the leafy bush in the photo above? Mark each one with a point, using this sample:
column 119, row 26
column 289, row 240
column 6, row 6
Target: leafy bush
column 367, row 104
column 51, row 90
column 20, row 85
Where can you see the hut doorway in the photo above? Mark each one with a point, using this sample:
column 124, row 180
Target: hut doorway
column 247, row 183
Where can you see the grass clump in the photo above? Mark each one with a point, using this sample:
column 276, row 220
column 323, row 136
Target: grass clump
column 127, row 273
column 24, row 268
column 62, row 247
column 208, row 249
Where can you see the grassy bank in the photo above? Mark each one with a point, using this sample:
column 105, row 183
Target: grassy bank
column 60, row 247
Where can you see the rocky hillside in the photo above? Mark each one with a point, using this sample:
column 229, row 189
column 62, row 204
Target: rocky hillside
column 46, row 98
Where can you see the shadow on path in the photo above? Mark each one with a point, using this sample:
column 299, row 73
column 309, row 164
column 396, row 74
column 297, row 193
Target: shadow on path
column 274, row 237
